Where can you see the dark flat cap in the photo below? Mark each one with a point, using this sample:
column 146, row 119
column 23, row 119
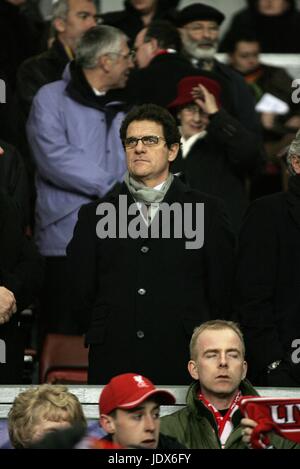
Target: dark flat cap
column 199, row 11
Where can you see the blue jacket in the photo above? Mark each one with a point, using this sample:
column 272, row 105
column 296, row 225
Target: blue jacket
column 79, row 157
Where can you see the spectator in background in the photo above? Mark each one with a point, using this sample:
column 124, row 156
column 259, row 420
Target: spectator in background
column 73, row 132
column 217, row 152
column 160, row 64
column 71, row 18
column 41, row 410
column 265, row 79
column 267, row 299
column 200, row 25
column 274, row 22
column 138, row 14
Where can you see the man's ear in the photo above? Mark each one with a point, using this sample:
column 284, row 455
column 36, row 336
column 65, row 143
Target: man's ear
column 60, row 25
column 105, row 62
column 192, row 367
column 245, row 369
column 107, row 423
column 173, row 151
column 295, row 160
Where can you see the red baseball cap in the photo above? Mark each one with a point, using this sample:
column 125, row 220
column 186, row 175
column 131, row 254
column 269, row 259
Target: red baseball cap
column 185, row 86
column 128, row 390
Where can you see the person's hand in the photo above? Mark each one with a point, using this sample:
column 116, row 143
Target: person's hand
column 1, row 151
column 247, row 428
column 8, row 305
column 205, row 100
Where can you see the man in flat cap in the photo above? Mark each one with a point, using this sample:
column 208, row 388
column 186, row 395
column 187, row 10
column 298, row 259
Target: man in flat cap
column 199, row 25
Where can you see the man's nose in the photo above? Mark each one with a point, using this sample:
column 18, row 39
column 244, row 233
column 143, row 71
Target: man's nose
column 149, row 423
column 91, row 22
column 223, row 360
column 140, row 147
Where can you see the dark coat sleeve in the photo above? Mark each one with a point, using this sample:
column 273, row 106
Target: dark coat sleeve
column 255, row 285
column 219, row 248
column 21, row 268
column 242, row 147
column 81, row 256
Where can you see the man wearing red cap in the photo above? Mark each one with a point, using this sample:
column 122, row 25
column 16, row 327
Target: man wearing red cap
column 217, row 152
column 129, row 412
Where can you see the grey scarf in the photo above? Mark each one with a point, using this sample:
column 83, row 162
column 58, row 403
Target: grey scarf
column 144, row 194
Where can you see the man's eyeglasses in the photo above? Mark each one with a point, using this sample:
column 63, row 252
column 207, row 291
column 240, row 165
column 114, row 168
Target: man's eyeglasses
column 147, row 140
column 131, row 54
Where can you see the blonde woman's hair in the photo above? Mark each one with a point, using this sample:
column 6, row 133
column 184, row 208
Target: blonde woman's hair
column 45, row 402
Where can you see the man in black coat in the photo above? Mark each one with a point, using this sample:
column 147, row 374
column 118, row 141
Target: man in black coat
column 136, row 15
column 200, row 25
column 267, row 298
column 140, row 288
column 20, row 278
column 160, row 65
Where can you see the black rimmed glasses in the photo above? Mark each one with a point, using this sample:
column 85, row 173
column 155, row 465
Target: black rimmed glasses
column 147, row 140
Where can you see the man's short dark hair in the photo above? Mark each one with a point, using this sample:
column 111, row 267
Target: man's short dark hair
column 154, row 113
column 246, row 36
column 167, row 35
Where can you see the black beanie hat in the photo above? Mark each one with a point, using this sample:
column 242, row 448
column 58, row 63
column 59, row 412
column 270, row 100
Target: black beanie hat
column 199, row 11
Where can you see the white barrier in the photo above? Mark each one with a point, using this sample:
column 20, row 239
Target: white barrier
column 89, row 396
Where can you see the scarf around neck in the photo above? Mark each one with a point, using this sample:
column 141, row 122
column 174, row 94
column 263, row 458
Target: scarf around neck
column 144, row 194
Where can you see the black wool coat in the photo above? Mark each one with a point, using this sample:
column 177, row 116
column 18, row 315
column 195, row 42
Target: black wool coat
column 219, row 163
column 21, row 272
column 140, row 299
column 267, row 294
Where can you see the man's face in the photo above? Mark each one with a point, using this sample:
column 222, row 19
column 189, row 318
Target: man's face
column 219, row 363
column 120, row 66
column 144, row 6
column 138, row 427
column 81, row 17
column 272, row 7
column 149, row 164
column 245, row 58
column 200, row 38
column 144, row 50
column 192, row 120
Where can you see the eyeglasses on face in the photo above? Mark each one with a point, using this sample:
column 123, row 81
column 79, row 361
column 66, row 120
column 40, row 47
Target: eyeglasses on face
column 131, row 55
column 147, row 140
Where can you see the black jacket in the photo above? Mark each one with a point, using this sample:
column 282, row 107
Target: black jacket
column 20, row 272
column 275, row 33
column 39, row 71
column 158, row 82
column 267, row 298
column 13, row 179
column 183, row 287
column 219, row 163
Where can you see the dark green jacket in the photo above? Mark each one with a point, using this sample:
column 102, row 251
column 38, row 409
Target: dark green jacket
column 195, row 426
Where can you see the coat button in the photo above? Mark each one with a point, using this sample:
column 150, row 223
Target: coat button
column 144, row 249
column 140, row 334
column 142, row 291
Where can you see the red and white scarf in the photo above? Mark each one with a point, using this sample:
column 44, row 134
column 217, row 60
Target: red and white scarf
column 224, row 422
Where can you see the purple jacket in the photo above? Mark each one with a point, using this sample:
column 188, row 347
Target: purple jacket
column 78, row 159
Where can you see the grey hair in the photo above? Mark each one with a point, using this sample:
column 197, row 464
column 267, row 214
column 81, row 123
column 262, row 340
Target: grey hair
column 294, row 150
column 60, row 9
column 97, row 41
